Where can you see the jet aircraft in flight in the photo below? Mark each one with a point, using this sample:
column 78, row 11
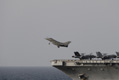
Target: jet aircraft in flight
column 57, row 43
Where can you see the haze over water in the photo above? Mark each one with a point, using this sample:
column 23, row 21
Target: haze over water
column 31, row 73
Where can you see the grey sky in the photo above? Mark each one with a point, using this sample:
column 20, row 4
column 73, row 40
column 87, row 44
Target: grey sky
column 91, row 25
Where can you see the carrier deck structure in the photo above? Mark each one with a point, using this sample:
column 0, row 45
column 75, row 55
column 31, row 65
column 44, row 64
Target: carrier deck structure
column 89, row 69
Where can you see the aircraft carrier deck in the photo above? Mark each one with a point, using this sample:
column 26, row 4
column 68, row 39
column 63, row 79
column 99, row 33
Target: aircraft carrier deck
column 89, row 69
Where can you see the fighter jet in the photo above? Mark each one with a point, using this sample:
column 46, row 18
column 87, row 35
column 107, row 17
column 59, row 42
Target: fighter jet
column 82, row 56
column 104, row 56
column 57, row 43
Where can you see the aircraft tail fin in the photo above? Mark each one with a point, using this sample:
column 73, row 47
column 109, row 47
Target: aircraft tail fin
column 76, row 55
column 117, row 54
column 68, row 42
column 99, row 55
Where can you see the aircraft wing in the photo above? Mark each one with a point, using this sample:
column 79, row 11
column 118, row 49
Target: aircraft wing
column 53, row 41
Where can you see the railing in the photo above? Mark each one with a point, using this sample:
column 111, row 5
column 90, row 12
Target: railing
column 88, row 61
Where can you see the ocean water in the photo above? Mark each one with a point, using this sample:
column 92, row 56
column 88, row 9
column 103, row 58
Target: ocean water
column 32, row 73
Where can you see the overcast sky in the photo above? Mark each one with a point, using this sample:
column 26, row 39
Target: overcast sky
column 91, row 25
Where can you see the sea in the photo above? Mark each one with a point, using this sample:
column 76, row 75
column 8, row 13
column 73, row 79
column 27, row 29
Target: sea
column 32, row 73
